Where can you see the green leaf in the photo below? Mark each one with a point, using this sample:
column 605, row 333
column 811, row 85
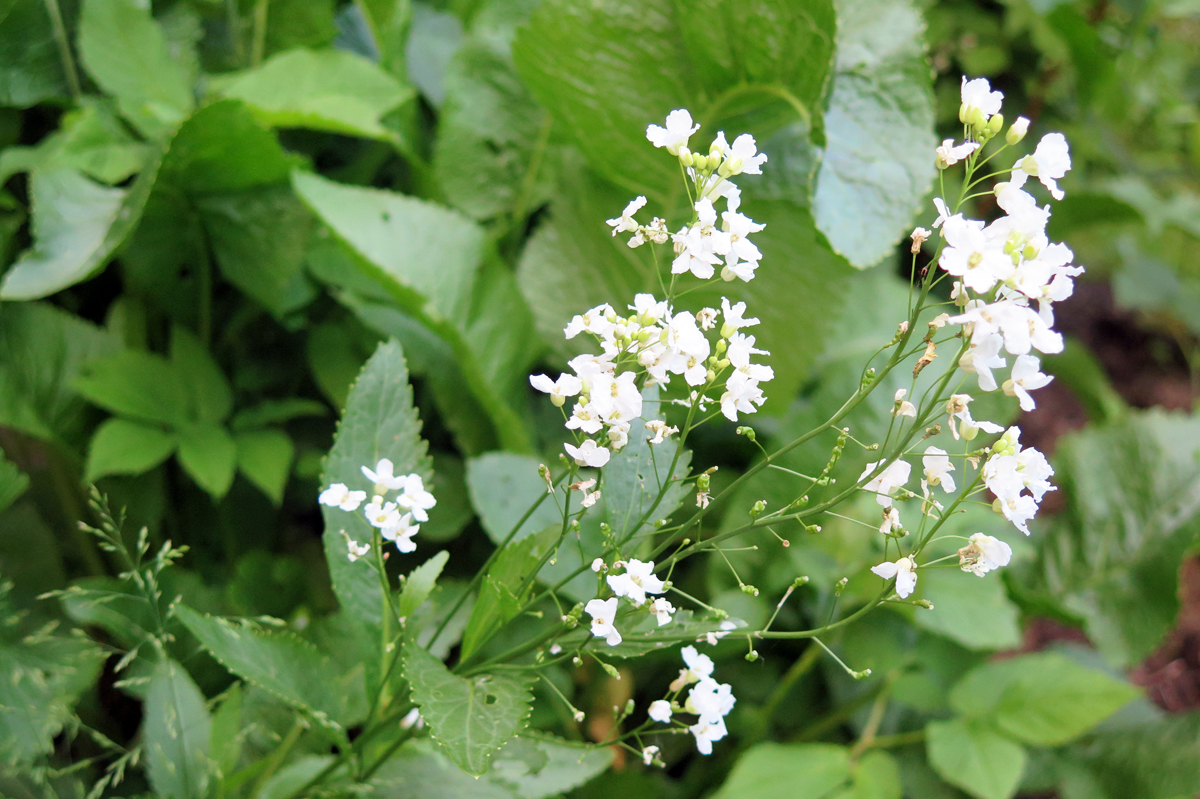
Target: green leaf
column 454, row 508
column 176, row 734
column 121, row 446
column 379, row 422
column 1133, row 510
column 265, row 457
column 208, row 453
column 1157, row 759
column 209, row 395
column 30, row 62
column 972, row 756
column 138, row 384
column 77, row 226
column 506, row 586
column 783, row 771
column 289, row 667
column 12, row 483
column 221, row 148
column 503, row 486
column 269, row 412
column 335, row 358
column 1042, row 699
column 227, row 737
column 875, row 777
column 878, row 162
column 471, row 717
column 439, row 277
column 968, row 609
column 330, row 90
column 91, row 140
column 420, row 583
column 125, row 52
column 291, row 778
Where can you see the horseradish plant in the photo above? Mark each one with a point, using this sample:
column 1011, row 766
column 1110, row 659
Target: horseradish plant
column 656, row 372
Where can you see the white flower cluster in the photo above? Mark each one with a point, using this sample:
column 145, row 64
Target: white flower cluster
column 637, row 581
column 393, row 518
column 707, row 699
column 1012, row 469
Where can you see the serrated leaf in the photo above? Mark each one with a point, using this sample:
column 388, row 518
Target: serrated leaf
column 138, row 384
column 782, row 771
column 265, row 457
column 878, row 161
column 222, row 148
column 420, row 584
column 379, row 422
column 125, row 51
column 975, row 758
column 471, row 717
column 210, row 398
column 287, row 666
column 330, row 90
column 209, row 455
column 176, row 733
column 122, row 446
column 269, row 412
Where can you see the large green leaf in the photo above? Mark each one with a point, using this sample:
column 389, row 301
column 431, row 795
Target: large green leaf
column 782, row 771
column 973, row 611
column 265, row 457
column 471, row 717
column 126, row 53
column 878, row 161
column 121, row 446
column 77, row 225
column 442, row 277
column 176, row 734
column 210, row 398
column 329, row 90
column 875, row 777
column 138, row 384
column 503, row 486
column 1133, row 499
column 974, row 757
column 209, row 455
column 1043, row 699
column 379, row 422
column 287, row 666
column 31, row 68
column 91, row 139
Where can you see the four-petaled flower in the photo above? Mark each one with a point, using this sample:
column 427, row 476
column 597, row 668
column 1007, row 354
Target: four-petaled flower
column 604, row 615
column 905, row 572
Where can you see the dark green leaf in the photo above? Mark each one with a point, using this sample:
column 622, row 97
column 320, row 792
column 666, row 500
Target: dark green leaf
column 124, row 50
column 470, row 717
column 209, row 455
column 975, row 758
column 30, row 61
column 419, row 584
column 221, row 148
column 454, row 508
column 176, row 734
column 209, row 395
column 1157, row 759
column 265, row 457
column 226, row 738
column 121, row 446
column 137, row 384
column 12, row 483
column 782, row 771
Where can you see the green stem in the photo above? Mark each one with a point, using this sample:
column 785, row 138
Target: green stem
column 258, row 44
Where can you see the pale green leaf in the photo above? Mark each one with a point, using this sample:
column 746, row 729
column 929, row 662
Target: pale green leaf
column 176, row 730
column 1156, row 759
column 503, row 487
column 122, row 446
column 221, row 148
column 138, row 384
column 265, row 457
column 976, row 758
column 420, row 584
column 227, row 736
column 471, row 717
column 209, row 455
column 875, row 777
column 783, row 771
column 974, row 611
column 291, row 778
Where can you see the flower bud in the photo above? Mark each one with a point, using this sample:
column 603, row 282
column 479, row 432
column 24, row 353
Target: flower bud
column 722, row 345
column 995, row 125
column 1017, row 130
column 702, row 482
column 557, row 400
column 685, row 156
column 749, row 590
column 758, row 508
column 752, row 656
column 998, row 506
column 610, row 670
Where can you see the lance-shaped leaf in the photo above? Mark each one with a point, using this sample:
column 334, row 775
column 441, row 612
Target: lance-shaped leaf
column 471, row 717
column 176, row 733
column 420, row 584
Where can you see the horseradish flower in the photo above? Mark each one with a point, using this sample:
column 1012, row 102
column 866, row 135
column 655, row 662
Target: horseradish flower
column 903, row 407
column 707, row 733
column 977, row 95
column 660, row 711
column 415, row 498
column 355, row 550
column 982, row 357
column 381, row 514
column 960, row 417
column 694, row 253
column 1017, row 130
column 919, row 236
column 649, row 754
column 947, row 154
column 616, row 399
column 676, row 134
column 383, row 477
column 565, row 386
column 339, row 496
column 598, row 565
column 891, row 520
column 970, row 255
column 943, row 212
column 1049, row 163
column 625, row 223
column 712, row 636
column 662, row 609
column 905, row 572
column 742, row 157
column 604, row 614
column 699, row 667
column 402, row 532
column 588, row 454
column 1026, row 376
column 743, row 257
column 659, row 431
column 984, row 554
column 710, row 700
column 741, row 395
column 637, row 581
column 937, row 468
column 595, row 321
column 734, row 318
column 884, row 484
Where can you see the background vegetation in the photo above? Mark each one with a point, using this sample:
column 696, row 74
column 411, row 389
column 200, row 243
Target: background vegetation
column 212, row 214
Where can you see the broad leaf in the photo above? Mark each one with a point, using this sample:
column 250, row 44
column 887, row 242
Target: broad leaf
column 124, row 50
column 265, row 457
column 283, row 664
column 782, row 771
column 209, row 397
column 420, row 584
column 30, row 62
column 176, row 733
column 973, row 611
column 875, row 777
column 503, row 487
column 209, row 455
column 121, row 446
column 138, row 384
column 471, row 717
column 379, row 422
column 878, row 161
column 221, row 148
column 975, row 757
column 226, row 737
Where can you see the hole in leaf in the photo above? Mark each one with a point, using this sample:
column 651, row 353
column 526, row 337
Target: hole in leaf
column 489, row 699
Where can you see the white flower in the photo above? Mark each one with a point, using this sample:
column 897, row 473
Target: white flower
column 412, row 719
column 415, row 498
column 937, row 468
column 742, row 157
column 676, row 134
column 594, row 321
column 984, row 554
column 355, row 550
column 978, row 94
column 1049, row 162
column 637, row 581
column 1019, row 510
column 604, row 614
column 1021, row 327
column 694, row 253
column 905, row 572
column 884, row 484
column 1017, row 130
column 741, row 249
column 943, row 212
column 584, row 417
column 734, row 318
column 891, row 520
column 947, row 154
column 649, row 308
column 903, row 407
column 565, row 386
column 662, row 610
column 706, row 318
column 970, row 255
column 710, row 700
column 625, row 223
column 741, row 395
column 339, row 496
column 919, row 236
column 382, row 476
column 402, row 531
column 725, row 628
column 660, row 711
column 381, row 514
column 617, row 398
column 982, row 357
column 588, row 454
column 659, row 431
column 699, row 667
column 957, row 410
column 590, row 499
column 707, row 732
column 598, row 565
column 648, row 755
column 1026, row 376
